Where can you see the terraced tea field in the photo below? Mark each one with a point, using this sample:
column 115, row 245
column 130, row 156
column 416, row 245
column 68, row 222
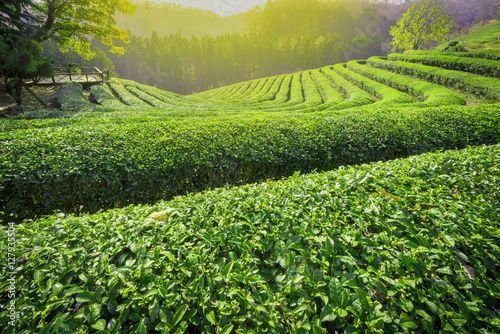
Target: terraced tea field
column 414, row 79
column 213, row 227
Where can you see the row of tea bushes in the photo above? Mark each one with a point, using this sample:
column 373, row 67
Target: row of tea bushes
column 486, row 67
column 431, row 94
column 482, row 87
column 95, row 164
column 405, row 246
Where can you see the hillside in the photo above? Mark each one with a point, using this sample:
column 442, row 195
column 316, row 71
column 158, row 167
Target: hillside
column 167, row 19
column 482, row 38
column 358, row 197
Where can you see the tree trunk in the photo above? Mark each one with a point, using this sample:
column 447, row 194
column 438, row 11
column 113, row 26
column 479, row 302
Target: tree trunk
column 18, row 95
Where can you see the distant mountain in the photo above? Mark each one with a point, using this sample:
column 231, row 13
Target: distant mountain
column 169, row 19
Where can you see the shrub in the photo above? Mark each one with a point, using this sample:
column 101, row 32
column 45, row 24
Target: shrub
column 487, row 67
column 386, row 94
column 487, row 88
column 92, row 165
column 70, row 98
column 409, row 245
column 102, row 95
column 486, row 54
column 454, row 46
column 432, row 94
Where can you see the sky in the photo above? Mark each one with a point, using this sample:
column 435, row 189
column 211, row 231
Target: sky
column 221, row 7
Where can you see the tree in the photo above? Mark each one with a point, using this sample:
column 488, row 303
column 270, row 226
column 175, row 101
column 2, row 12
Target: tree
column 426, row 20
column 18, row 16
column 71, row 22
column 20, row 56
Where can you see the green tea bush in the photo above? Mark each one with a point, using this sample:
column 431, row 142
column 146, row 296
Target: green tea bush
column 408, row 246
column 454, row 46
column 271, row 93
column 311, row 92
column 151, row 100
column 70, row 98
column 283, row 93
column 484, row 34
column 296, row 94
column 486, row 67
column 354, row 95
column 169, row 98
column 387, row 95
column 482, row 87
column 432, row 94
column 327, row 90
column 243, row 88
column 126, row 97
column 239, row 87
column 94, row 165
column 487, row 54
column 250, row 91
column 102, row 95
column 263, row 93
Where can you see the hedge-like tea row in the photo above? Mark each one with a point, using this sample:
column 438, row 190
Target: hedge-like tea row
column 251, row 89
column 127, row 97
column 486, row 54
column 311, row 92
column 405, row 246
column 354, row 95
column 70, row 98
column 93, row 166
column 387, row 95
column 169, row 98
column 432, row 94
column 487, row 67
column 151, row 100
column 282, row 95
column 263, row 93
column 242, row 88
column 103, row 96
column 482, row 87
column 329, row 94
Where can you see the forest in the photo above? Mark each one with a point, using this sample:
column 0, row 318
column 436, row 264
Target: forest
column 284, row 36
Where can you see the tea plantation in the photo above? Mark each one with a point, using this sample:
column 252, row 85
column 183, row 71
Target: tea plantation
column 142, row 211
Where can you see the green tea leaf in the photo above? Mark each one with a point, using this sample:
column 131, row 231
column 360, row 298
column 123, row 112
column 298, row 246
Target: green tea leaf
column 327, row 314
column 179, row 314
column 84, row 297
column 227, row 329
column 99, row 325
column 112, row 307
column 335, row 291
column 211, row 318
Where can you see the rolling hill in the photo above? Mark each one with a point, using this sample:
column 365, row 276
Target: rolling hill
column 142, row 211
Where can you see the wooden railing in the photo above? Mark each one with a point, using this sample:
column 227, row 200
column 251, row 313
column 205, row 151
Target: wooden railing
column 83, row 74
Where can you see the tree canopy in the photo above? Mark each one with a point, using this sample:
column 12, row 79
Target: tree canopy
column 426, row 20
column 20, row 56
column 70, row 22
